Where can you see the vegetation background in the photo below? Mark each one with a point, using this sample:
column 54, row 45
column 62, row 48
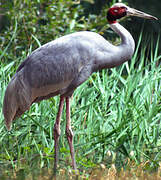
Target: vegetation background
column 116, row 114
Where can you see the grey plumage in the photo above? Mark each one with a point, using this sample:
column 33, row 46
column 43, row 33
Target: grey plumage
column 58, row 67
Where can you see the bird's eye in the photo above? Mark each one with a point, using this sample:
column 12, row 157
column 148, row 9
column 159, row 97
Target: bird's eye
column 115, row 10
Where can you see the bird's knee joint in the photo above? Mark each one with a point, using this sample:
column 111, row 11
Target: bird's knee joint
column 57, row 131
column 69, row 133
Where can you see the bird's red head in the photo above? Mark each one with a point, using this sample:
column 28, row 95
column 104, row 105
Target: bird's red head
column 120, row 10
column 116, row 12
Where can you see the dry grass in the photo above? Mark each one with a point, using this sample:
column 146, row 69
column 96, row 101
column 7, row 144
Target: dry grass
column 132, row 172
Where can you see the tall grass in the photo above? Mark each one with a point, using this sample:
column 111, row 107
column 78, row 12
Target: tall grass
column 115, row 115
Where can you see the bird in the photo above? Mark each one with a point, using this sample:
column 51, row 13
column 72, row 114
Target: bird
column 58, row 67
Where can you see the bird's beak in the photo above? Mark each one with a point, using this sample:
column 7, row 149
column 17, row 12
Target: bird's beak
column 134, row 12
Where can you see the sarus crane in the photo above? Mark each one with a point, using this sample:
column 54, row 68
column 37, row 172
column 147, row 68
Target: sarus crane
column 60, row 66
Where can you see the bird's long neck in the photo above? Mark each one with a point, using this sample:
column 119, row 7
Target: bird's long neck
column 126, row 37
column 118, row 54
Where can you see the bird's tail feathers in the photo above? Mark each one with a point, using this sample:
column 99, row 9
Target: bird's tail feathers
column 16, row 101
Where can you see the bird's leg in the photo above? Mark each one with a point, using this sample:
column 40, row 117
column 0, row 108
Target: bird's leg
column 57, row 132
column 69, row 133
